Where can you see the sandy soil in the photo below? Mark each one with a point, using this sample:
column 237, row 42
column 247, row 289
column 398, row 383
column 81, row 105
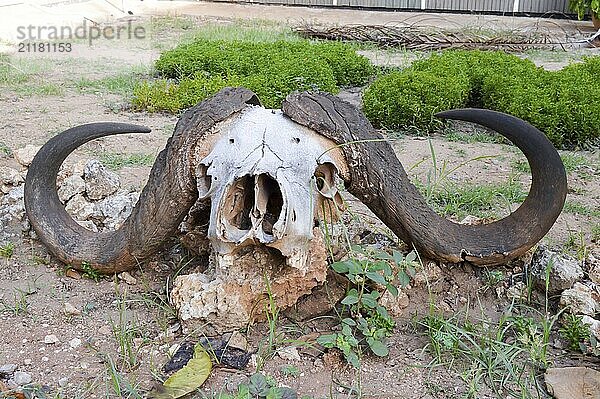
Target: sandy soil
column 82, row 370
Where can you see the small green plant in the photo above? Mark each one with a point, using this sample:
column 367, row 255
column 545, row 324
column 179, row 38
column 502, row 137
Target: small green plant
column 7, row 250
column 577, row 245
column 275, row 338
column 259, row 387
column 504, row 355
column 125, row 331
column 17, row 306
column 290, row 371
column 368, row 323
column 575, row 332
column 89, row 272
column 596, row 232
column 5, row 149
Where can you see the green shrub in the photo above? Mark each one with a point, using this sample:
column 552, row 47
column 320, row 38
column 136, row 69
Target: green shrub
column 565, row 104
column 271, row 69
column 411, row 98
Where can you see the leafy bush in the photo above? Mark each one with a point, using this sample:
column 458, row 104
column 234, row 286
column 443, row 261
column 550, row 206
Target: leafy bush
column 272, row 70
column 563, row 104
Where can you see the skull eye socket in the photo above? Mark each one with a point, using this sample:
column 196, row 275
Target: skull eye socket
column 325, row 179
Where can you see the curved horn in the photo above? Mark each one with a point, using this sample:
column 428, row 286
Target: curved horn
column 380, row 182
column 164, row 202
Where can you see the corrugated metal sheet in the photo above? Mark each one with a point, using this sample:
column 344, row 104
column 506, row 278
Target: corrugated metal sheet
column 471, row 5
column 544, row 6
column 395, row 4
column 492, row 6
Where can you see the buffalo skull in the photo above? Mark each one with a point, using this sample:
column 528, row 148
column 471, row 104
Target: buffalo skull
column 258, row 176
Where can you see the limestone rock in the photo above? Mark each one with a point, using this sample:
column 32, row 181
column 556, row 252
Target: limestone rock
column 21, row 378
column 289, row 353
column 115, row 209
column 80, row 208
column 128, row 278
column 579, row 300
column 394, row 304
column 593, row 324
column 99, row 181
column 25, row 155
column 564, row 270
column 230, row 298
column 51, row 339
column 594, row 272
column 573, row 383
column 70, row 310
column 70, row 187
column 10, row 176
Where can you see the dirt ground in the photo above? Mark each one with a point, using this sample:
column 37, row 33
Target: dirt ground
column 79, row 364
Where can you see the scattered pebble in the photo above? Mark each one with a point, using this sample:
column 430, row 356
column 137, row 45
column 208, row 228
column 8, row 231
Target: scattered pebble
column 7, row 369
column 579, row 300
column 21, row 378
column 289, row 353
column 63, row 382
column 128, row 278
column 74, row 343
column 70, row 310
column 25, row 155
column 105, row 330
column 51, row 339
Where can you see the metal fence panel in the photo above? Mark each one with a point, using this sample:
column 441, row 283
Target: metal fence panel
column 496, row 6
column 543, row 6
column 471, row 5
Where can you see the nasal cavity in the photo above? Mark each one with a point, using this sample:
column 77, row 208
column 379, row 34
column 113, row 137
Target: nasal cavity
column 239, row 203
column 253, row 200
column 269, row 202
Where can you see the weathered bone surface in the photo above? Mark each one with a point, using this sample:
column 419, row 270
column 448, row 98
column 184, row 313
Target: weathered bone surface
column 266, row 178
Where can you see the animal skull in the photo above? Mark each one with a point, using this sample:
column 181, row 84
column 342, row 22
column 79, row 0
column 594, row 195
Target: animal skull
column 267, row 173
column 267, row 178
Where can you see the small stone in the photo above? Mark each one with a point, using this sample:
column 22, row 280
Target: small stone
column 80, row 208
column 579, row 300
column 564, row 270
column 10, row 176
column 128, row 278
column 517, row 291
column 105, row 330
column 594, row 272
column 99, row 181
column 75, row 343
column 430, row 273
column 51, row 339
column 45, row 358
column 7, row 370
column 25, row 155
column 21, row 378
column 74, row 274
column 289, row 353
column 237, row 340
column 70, row 310
column 115, row 209
column 27, row 361
column 593, row 324
column 70, row 187
column 394, row 304
column 63, row 382
column 573, row 383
